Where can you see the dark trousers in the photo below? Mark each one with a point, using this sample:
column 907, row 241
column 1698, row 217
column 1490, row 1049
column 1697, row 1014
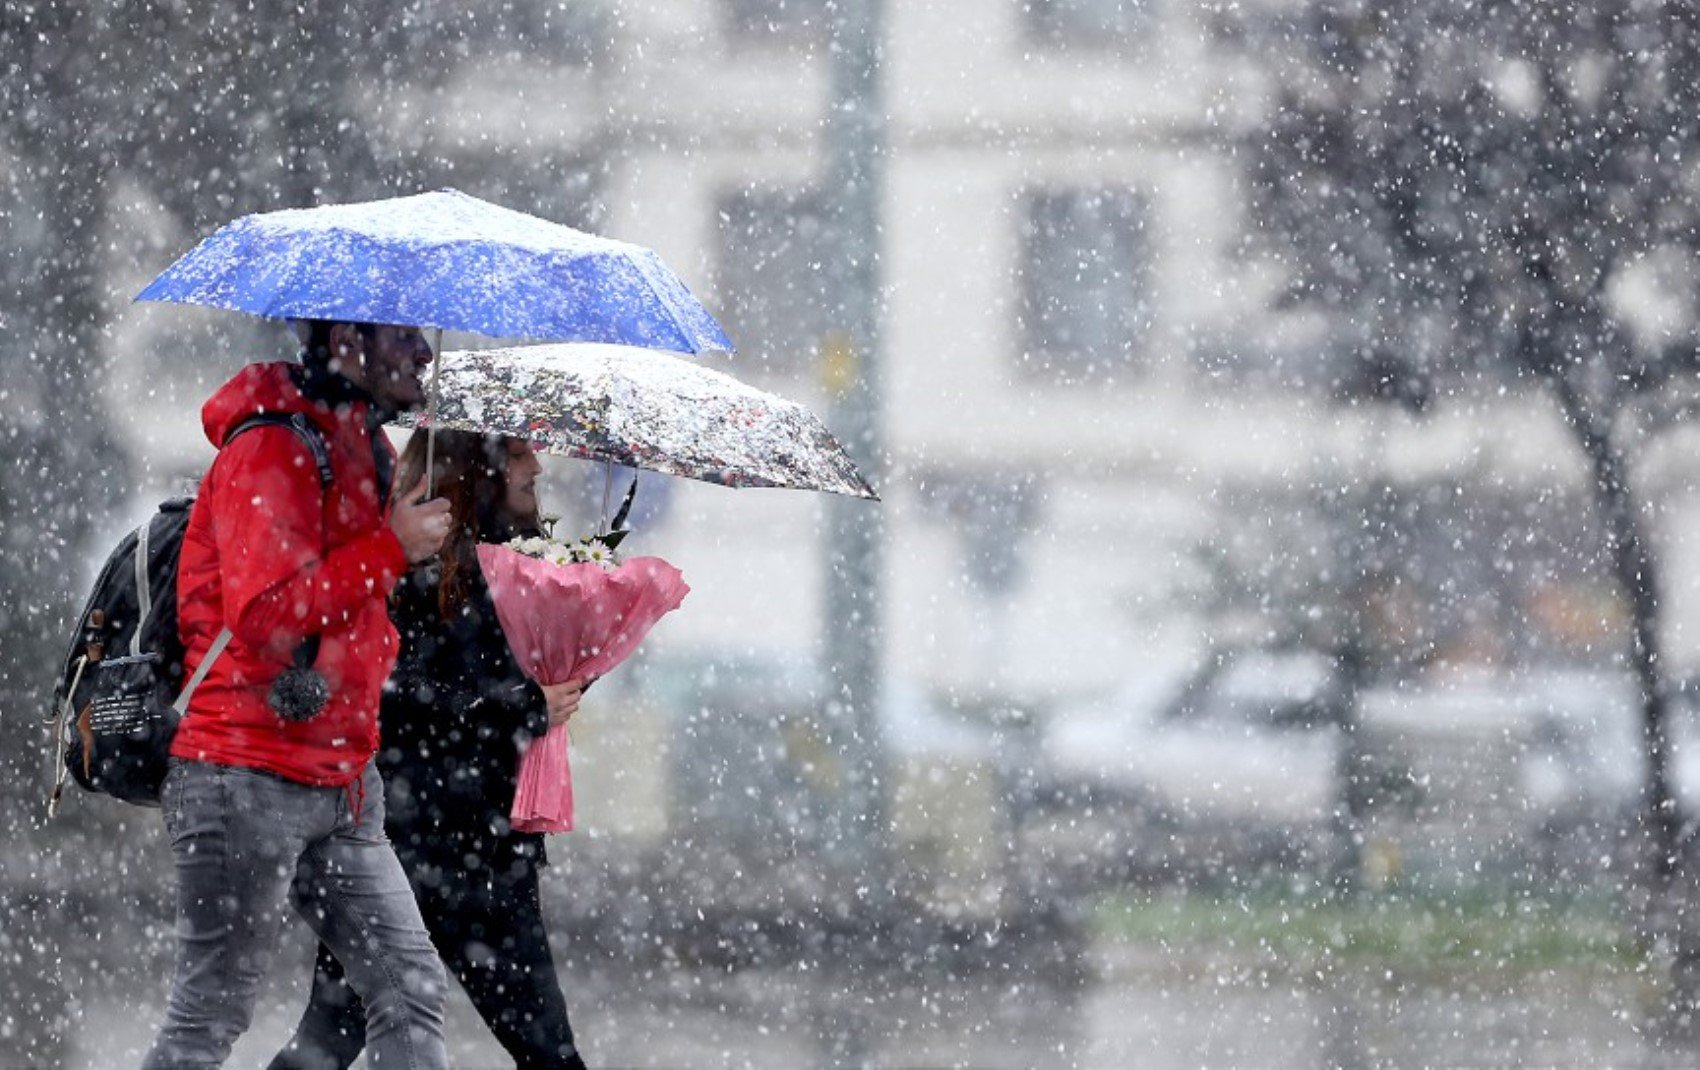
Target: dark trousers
column 488, row 928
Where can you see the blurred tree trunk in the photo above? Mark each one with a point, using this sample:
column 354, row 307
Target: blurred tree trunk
column 1352, row 771
column 1665, row 908
column 1637, row 576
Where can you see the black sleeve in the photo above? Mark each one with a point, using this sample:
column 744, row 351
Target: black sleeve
column 462, row 669
column 501, row 693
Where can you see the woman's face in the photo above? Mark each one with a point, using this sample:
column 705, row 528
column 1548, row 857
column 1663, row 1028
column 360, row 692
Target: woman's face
column 521, row 476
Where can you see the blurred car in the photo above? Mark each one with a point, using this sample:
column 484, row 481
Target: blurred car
column 1585, row 766
column 1527, row 774
column 1235, row 759
column 1202, row 765
column 1229, row 760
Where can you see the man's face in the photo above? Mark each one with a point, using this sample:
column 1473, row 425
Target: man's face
column 387, row 363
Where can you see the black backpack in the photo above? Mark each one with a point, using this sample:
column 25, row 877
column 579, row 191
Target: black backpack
column 121, row 690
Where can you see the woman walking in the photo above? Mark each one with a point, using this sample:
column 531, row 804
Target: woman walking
column 455, row 720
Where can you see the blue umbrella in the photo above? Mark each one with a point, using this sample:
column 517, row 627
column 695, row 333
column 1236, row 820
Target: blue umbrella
column 443, row 260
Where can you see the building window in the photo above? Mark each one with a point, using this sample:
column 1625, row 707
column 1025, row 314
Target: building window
column 753, row 20
column 514, row 30
column 772, row 280
column 1085, row 295
column 1086, row 23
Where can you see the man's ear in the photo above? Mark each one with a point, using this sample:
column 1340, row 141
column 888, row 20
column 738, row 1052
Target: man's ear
column 348, row 350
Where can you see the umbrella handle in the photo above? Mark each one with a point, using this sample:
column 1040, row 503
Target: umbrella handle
column 625, row 506
column 431, row 415
column 607, row 490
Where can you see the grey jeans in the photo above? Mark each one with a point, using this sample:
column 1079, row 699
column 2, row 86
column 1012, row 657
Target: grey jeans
column 248, row 843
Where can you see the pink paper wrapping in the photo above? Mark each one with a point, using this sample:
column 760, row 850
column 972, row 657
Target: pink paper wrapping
column 566, row 622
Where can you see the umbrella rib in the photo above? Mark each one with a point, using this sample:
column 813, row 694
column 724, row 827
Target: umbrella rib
column 649, row 267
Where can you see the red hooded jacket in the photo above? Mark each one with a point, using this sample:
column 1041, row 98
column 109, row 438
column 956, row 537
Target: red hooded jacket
column 276, row 559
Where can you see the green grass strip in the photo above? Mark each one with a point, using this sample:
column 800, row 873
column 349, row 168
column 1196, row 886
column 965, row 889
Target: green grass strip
column 1428, row 930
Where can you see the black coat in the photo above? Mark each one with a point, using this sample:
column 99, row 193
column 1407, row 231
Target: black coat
column 455, row 716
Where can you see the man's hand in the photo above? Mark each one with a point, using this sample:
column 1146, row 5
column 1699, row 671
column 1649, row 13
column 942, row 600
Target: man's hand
column 563, row 701
column 420, row 525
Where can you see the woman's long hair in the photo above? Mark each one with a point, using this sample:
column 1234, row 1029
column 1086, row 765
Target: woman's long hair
column 470, row 470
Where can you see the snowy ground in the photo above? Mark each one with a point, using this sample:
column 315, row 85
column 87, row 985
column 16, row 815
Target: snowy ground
column 1148, row 1009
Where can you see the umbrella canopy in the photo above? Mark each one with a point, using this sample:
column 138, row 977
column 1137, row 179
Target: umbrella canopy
column 642, row 409
column 443, row 260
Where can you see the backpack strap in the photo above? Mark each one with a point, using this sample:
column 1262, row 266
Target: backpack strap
column 201, row 670
column 314, row 439
column 305, row 430
column 144, row 589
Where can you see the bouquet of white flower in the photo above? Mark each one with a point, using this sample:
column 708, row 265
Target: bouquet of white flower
column 590, row 550
column 570, row 611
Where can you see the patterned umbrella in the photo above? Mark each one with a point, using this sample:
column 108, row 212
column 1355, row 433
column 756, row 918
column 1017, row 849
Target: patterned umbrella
column 642, row 409
column 442, row 260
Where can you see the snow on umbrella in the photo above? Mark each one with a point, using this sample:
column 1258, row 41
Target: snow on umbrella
column 443, row 260
column 642, row 409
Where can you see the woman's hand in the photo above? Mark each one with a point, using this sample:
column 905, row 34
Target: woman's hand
column 563, row 701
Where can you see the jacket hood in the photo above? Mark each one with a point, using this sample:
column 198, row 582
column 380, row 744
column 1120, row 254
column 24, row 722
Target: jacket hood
column 262, row 388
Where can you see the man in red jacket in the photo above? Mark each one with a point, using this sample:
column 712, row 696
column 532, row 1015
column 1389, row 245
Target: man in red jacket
column 269, row 801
